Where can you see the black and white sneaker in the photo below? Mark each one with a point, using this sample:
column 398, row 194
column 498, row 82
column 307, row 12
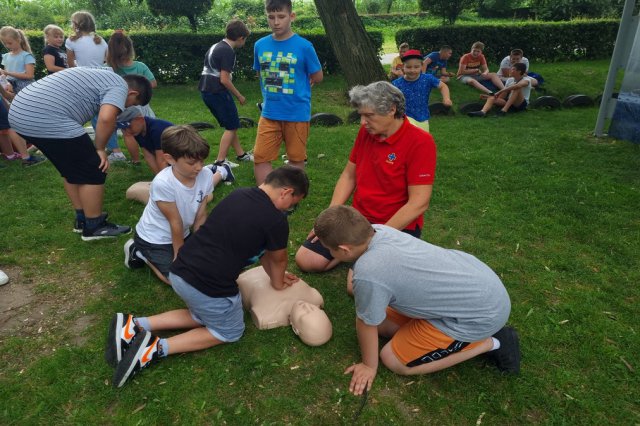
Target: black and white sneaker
column 78, row 226
column 247, row 156
column 507, row 356
column 122, row 330
column 131, row 259
column 104, row 230
column 230, row 177
column 142, row 351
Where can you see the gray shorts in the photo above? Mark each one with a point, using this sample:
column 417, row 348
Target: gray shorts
column 465, row 78
column 223, row 316
column 159, row 255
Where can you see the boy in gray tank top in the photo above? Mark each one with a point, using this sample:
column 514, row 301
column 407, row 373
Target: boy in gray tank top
column 438, row 306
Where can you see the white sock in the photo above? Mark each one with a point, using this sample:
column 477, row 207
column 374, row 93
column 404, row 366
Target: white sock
column 496, row 344
column 222, row 171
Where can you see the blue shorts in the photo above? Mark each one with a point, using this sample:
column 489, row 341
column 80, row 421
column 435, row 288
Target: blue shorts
column 518, row 108
column 223, row 316
column 223, row 109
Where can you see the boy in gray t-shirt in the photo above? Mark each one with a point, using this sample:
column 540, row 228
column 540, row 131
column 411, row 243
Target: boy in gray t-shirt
column 440, row 307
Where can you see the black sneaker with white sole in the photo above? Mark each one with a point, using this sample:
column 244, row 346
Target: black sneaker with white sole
column 122, row 330
column 104, row 230
column 230, row 177
column 131, row 259
column 507, row 356
column 142, row 351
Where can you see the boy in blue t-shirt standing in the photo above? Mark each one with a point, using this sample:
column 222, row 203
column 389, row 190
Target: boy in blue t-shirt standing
column 288, row 66
column 416, row 88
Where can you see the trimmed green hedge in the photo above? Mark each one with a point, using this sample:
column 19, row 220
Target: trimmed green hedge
column 178, row 57
column 541, row 42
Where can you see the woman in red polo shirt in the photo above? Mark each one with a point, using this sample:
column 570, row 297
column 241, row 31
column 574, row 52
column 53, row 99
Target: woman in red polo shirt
column 390, row 170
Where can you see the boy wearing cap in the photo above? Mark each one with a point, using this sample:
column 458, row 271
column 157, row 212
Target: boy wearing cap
column 147, row 132
column 51, row 113
column 416, row 88
column 177, row 201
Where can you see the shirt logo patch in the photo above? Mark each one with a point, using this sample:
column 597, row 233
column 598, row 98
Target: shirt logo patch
column 200, row 197
column 391, row 158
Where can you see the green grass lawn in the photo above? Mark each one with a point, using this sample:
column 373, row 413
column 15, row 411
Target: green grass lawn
column 551, row 209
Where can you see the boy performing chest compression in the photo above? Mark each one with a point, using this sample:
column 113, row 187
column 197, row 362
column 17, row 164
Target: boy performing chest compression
column 439, row 307
column 247, row 225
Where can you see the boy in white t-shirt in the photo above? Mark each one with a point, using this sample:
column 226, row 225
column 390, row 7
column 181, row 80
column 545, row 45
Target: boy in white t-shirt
column 177, row 202
column 513, row 98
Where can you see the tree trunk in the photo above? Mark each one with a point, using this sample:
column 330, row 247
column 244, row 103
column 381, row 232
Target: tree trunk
column 357, row 57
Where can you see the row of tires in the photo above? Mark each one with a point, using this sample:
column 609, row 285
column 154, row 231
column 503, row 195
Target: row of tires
column 436, row 108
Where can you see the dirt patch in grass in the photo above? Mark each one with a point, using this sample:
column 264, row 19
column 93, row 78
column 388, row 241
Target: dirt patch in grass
column 43, row 305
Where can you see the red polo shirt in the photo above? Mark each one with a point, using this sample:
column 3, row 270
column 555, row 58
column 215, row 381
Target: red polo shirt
column 385, row 169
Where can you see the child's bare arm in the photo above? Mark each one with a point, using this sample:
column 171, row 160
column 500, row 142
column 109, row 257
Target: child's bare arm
column 364, row 373
column 71, row 58
column 444, row 91
column 170, row 211
column 274, row 263
column 201, row 216
column 316, row 77
column 29, row 72
column 225, row 80
column 50, row 63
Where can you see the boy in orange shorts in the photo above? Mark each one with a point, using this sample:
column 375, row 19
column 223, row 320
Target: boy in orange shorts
column 288, row 66
column 439, row 307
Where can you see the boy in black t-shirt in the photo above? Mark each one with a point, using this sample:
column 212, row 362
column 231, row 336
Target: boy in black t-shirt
column 216, row 88
column 250, row 224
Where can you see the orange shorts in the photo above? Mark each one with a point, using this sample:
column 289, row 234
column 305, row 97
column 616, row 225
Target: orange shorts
column 270, row 135
column 419, row 342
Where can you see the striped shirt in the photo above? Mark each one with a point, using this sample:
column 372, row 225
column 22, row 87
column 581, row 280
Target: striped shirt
column 58, row 106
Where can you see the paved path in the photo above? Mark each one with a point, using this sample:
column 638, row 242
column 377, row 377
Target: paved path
column 387, row 58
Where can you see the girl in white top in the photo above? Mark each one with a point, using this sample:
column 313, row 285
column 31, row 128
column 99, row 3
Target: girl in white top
column 85, row 48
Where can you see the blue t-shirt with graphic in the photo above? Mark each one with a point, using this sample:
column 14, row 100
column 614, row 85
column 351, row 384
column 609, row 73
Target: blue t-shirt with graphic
column 285, row 68
column 416, row 94
column 436, row 63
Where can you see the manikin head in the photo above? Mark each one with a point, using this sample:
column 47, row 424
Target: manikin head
column 310, row 323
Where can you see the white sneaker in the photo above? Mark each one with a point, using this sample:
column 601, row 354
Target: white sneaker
column 3, row 278
column 247, row 156
column 116, row 156
column 230, row 164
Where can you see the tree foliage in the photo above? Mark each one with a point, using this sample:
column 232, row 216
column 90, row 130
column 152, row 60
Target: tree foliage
column 448, row 10
column 191, row 9
column 564, row 10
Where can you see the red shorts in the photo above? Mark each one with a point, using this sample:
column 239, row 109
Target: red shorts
column 419, row 342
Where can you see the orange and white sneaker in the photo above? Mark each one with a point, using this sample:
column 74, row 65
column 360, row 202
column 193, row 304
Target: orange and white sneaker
column 142, row 351
column 122, row 330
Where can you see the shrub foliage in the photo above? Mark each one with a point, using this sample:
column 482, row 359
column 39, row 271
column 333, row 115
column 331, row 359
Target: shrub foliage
column 178, row 57
column 542, row 42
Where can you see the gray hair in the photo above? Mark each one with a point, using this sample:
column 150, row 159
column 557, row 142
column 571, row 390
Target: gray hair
column 380, row 96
